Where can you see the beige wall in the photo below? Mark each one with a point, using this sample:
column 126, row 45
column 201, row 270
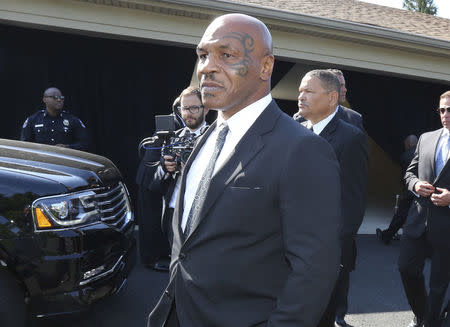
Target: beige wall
column 164, row 22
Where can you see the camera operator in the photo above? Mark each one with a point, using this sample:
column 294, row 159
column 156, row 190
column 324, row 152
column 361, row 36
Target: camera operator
column 153, row 244
column 166, row 179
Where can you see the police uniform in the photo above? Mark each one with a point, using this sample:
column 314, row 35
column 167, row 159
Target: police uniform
column 65, row 129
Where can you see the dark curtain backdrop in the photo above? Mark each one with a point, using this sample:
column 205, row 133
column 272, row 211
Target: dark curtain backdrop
column 392, row 107
column 115, row 87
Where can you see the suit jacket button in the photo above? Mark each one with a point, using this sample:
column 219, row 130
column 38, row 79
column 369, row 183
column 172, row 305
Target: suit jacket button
column 166, row 292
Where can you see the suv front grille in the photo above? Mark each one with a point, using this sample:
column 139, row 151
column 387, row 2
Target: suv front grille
column 114, row 206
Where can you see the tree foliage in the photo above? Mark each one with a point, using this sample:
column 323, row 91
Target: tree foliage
column 423, row 6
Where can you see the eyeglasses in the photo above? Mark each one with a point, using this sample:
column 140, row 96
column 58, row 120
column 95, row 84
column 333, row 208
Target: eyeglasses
column 442, row 110
column 56, row 97
column 191, row 109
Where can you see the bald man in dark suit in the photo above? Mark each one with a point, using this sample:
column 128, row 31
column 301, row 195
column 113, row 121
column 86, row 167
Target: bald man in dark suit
column 254, row 242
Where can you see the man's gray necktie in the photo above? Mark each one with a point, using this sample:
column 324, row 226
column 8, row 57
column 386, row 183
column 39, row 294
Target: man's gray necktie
column 203, row 186
column 443, row 155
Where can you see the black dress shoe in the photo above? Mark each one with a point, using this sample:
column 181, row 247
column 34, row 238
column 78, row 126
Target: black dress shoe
column 416, row 323
column 382, row 236
column 158, row 266
column 340, row 322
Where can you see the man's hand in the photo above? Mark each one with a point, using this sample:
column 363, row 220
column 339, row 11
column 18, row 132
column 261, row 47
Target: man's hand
column 424, row 189
column 441, row 199
column 170, row 164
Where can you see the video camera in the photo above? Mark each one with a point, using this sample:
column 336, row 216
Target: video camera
column 179, row 147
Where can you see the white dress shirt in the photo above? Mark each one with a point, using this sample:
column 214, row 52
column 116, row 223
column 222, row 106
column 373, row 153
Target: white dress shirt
column 318, row 127
column 173, row 199
column 442, row 142
column 238, row 125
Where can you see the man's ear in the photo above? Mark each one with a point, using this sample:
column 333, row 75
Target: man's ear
column 267, row 67
column 334, row 98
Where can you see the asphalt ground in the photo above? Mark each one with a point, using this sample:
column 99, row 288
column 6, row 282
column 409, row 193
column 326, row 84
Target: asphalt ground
column 376, row 296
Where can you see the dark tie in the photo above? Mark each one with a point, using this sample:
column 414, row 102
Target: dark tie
column 203, row 186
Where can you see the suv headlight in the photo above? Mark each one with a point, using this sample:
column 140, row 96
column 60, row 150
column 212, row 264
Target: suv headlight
column 66, row 210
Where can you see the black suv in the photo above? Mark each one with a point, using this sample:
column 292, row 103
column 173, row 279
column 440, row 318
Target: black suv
column 66, row 231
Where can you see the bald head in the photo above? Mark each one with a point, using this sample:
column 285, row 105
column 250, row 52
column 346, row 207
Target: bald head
column 235, row 63
column 251, row 25
column 52, row 91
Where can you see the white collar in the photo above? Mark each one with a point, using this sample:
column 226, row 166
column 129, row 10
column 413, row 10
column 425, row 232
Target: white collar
column 196, row 131
column 241, row 121
column 319, row 127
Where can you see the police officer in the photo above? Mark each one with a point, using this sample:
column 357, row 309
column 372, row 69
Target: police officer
column 55, row 126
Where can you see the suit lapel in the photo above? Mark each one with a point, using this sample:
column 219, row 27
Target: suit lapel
column 330, row 129
column 247, row 148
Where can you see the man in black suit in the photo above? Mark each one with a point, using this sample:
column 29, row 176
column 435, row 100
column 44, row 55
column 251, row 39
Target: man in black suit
column 405, row 199
column 255, row 243
column 354, row 118
column 427, row 227
column 166, row 181
column 318, row 103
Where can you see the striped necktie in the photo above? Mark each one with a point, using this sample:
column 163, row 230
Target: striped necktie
column 203, row 186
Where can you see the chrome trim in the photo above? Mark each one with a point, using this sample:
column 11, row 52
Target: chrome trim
column 113, row 220
column 110, row 271
column 120, row 194
column 106, row 194
column 119, row 204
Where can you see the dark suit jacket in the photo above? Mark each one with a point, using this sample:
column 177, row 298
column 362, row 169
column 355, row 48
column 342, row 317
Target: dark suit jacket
column 350, row 145
column 346, row 114
column 350, row 116
column 265, row 249
column 423, row 214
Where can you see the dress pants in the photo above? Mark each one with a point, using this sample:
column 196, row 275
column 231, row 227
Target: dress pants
column 411, row 263
column 337, row 305
column 167, row 225
column 172, row 319
column 348, row 261
column 153, row 244
column 399, row 218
